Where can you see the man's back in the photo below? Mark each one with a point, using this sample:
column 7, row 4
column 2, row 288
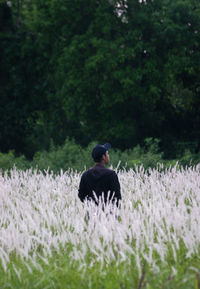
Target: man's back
column 99, row 180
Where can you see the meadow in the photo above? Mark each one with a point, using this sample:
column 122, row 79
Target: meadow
column 152, row 241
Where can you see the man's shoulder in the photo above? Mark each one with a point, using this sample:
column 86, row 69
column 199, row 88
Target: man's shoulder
column 100, row 169
column 88, row 171
column 110, row 171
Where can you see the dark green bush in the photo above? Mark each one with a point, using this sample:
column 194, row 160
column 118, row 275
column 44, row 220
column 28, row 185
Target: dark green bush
column 9, row 160
column 189, row 158
column 72, row 155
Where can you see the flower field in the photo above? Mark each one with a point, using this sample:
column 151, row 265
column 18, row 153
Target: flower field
column 152, row 241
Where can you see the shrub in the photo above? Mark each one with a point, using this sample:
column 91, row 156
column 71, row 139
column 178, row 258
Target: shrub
column 9, row 160
column 72, row 155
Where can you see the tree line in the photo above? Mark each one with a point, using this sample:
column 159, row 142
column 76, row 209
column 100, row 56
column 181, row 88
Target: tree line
column 118, row 71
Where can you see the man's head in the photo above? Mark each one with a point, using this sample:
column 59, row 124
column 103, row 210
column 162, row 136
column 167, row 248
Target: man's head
column 100, row 153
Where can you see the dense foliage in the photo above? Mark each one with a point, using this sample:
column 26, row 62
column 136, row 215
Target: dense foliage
column 71, row 155
column 101, row 70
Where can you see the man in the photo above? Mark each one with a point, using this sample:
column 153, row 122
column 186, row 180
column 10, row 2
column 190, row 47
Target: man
column 99, row 181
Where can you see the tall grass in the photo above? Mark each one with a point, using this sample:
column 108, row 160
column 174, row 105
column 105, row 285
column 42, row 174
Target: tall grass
column 151, row 241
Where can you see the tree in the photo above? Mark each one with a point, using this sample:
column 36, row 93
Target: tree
column 99, row 70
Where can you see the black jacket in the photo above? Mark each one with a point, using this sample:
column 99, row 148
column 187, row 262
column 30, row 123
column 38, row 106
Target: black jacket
column 100, row 180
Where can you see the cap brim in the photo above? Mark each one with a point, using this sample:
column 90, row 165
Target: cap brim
column 107, row 146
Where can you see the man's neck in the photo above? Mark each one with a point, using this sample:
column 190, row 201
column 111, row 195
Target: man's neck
column 100, row 164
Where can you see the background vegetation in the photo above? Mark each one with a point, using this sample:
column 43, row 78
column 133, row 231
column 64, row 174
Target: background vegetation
column 72, row 155
column 73, row 72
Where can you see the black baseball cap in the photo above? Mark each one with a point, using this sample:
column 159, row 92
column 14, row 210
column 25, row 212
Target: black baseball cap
column 100, row 150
